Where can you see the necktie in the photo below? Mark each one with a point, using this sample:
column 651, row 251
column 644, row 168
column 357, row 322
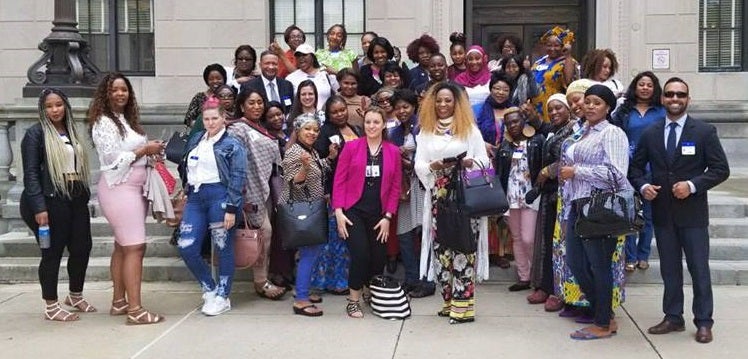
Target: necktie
column 272, row 92
column 670, row 147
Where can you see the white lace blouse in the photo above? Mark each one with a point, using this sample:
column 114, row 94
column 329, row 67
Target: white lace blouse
column 116, row 153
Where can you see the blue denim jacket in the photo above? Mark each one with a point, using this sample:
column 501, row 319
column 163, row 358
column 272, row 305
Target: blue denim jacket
column 231, row 160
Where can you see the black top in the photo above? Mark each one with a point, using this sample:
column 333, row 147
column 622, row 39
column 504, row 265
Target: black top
column 370, row 202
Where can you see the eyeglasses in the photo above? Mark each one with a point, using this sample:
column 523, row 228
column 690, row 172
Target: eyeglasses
column 225, row 96
column 678, row 94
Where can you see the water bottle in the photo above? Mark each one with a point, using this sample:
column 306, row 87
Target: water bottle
column 44, row 239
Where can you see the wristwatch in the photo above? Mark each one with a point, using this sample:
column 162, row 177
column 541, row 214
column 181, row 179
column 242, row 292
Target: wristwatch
column 387, row 216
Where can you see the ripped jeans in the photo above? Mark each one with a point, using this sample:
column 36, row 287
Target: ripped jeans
column 204, row 211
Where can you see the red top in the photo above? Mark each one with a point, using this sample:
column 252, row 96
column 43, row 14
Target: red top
column 282, row 71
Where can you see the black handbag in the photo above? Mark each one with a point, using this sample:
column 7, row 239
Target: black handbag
column 174, row 150
column 453, row 222
column 302, row 223
column 609, row 213
column 482, row 192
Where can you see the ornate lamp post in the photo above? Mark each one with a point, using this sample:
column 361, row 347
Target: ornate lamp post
column 65, row 63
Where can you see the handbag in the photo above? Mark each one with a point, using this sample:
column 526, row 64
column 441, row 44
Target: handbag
column 302, row 223
column 482, row 192
column 166, row 176
column 388, row 299
column 453, row 222
column 174, row 150
column 609, row 213
column 248, row 244
column 177, row 202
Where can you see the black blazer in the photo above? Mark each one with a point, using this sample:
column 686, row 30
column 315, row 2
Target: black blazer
column 322, row 146
column 503, row 159
column 37, row 183
column 368, row 85
column 706, row 169
column 285, row 90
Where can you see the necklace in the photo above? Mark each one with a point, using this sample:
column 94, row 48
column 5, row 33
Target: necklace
column 444, row 126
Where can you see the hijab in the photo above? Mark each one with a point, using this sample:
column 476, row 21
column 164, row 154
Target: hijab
column 472, row 79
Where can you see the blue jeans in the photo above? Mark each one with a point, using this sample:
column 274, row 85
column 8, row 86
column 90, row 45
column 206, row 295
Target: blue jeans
column 409, row 256
column 307, row 258
column 205, row 211
column 640, row 251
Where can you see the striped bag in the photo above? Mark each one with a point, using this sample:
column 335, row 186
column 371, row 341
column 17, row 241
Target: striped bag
column 388, row 300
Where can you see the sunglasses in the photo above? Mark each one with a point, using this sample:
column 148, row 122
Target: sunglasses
column 679, row 94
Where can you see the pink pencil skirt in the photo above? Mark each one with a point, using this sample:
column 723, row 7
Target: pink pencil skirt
column 124, row 207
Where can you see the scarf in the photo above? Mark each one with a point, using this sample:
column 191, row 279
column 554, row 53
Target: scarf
column 480, row 78
column 444, row 126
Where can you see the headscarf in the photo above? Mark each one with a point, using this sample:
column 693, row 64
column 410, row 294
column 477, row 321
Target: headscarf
column 580, row 85
column 472, row 79
column 305, row 118
column 566, row 36
column 558, row 97
column 604, row 93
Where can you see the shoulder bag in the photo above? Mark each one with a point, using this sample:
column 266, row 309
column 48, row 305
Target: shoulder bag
column 248, row 244
column 453, row 222
column 174, row 150
column 609, row 212
column 302, row 223
column 482, row 192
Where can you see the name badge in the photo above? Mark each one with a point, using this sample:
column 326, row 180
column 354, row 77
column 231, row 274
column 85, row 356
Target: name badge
column 192, row 161
column 335, row 139
column 688, row 149
column 517, row 154
column 372, row 171
column 287, row 101
column 392, row 124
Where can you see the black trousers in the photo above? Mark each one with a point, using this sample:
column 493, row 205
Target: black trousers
column 69, row 227
column 368, row 255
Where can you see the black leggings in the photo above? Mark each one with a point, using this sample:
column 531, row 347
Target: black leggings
column 368, row 255
column 69, row 226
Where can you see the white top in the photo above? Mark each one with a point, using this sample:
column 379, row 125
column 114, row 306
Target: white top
column 615, row 86
column 69, row 166
column 326, row 85
column 477, row 94
column 201, row 162
column 116, row 153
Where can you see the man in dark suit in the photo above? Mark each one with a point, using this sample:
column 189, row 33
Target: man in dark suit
column 274, row 88
column 686, row 160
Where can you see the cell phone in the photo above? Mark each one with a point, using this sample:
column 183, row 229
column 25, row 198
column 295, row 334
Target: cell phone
column 446, row 160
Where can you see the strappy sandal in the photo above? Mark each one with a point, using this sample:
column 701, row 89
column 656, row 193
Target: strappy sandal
column 353, row 308
column 266, row 287
column 79, row 303
column 119, row 309
column 55, row 313
column 142, row 316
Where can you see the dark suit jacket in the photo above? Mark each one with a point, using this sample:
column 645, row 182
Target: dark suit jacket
column 285, row 90
column 706, row 169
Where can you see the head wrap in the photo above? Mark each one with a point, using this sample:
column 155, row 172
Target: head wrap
column 558, row 97
column 580, row 85
column 566, row 36
column 305, row 118
column 604, row 93
column 480, row 78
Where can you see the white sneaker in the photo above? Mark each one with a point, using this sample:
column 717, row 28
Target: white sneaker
column 217, row 306
column 208, row 299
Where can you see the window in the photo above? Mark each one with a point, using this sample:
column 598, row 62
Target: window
column 131, row 48
column 721, row 37
column 316, row 16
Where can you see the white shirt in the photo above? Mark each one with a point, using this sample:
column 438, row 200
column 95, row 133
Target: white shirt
column 326, row 85
column 69, row 155
column 201, row 162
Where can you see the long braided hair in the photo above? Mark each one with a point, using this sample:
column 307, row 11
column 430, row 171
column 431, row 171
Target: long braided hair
column 55, row 147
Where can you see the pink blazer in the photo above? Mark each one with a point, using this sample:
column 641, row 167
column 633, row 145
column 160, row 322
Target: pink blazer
column 348, row 185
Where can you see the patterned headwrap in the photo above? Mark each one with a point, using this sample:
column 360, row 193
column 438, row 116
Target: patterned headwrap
column 565, row 35
column 305, row 118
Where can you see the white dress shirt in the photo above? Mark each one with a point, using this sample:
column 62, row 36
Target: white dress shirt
column 201, row 162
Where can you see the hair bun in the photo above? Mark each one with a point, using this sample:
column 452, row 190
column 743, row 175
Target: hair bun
column 457, row 37
column 211, row 102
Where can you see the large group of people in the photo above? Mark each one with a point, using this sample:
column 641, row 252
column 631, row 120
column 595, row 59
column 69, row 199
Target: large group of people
column 373, row 136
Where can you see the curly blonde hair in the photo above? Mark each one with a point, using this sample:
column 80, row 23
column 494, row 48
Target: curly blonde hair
column 464, row 120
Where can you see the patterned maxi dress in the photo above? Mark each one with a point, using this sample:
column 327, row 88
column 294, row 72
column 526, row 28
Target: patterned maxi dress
column 549, row 76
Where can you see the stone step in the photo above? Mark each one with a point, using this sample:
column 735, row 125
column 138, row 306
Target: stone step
column 722, row 206
column 728, row 227
column 15, row 270
column 17, row 244
column 722, row 249
column 723, row 273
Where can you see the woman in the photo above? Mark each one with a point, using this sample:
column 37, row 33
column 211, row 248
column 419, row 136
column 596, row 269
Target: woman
column 364, row 203
column 263, row 159
column 601, row 65
column 437, row 72
column 575, row 97
column 447, row 130
column 294, row 37
column 554, row 71
column 331, row 269
column 310, row 69
column 490, row 114
column 363, row 59
column 542, row 274
column 227, row 96
column 476, row 78
column 523, row 84
column 380, row 51
column 214, row 75
column 123, row 146
column 274, row 121
column 306, row 101
column 595, row 158
column 641, row 107
column 245, row 61
column 356, row 103
column 419, row 52
column 55, row 194
column 518, row 163
column 303, row 175
column 457, row 54
column 213, row 172
column 393, row 76
column 508, row 45
column 336, row 56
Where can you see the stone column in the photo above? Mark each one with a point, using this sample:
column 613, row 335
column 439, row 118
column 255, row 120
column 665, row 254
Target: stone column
column 6, row 155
